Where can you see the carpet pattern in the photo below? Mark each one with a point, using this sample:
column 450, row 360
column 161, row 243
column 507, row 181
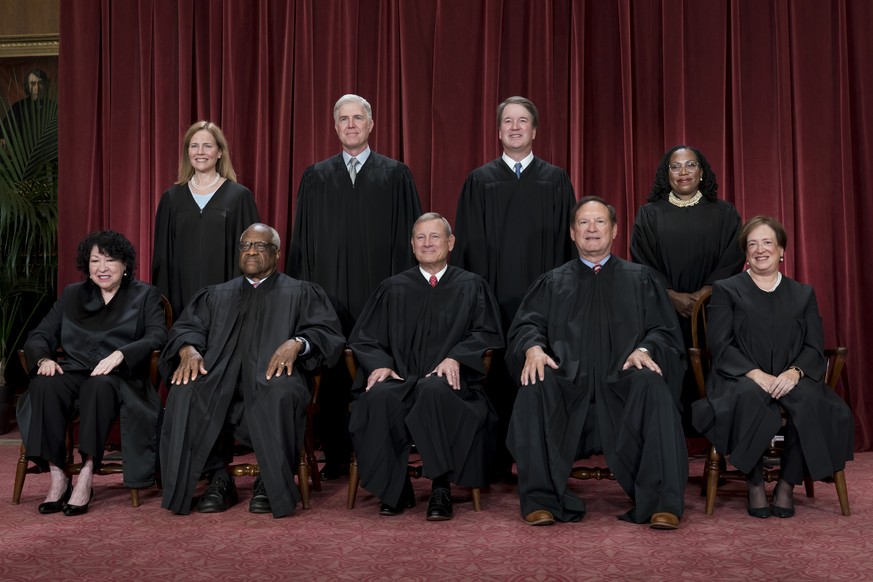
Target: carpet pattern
column 115, row 541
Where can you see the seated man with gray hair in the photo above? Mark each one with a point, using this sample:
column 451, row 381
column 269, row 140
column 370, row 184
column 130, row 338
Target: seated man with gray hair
column 420, row 341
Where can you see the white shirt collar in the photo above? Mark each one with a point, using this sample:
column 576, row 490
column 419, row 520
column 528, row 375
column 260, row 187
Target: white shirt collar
column 524, row 163
column 438, row 275
column 361, row 157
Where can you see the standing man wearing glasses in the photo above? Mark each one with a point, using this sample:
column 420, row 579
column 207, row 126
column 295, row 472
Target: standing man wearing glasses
column 511, row 227
column 352, row 221
column 234, row 359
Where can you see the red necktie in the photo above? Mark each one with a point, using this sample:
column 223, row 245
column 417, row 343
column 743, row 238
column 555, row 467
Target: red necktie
column 255, row 284
column 433, row 280
column 597, row 268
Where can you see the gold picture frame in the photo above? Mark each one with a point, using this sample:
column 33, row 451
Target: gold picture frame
column 29, row 45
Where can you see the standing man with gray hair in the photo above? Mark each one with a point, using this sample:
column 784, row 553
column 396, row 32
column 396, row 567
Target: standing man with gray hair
column 352, row 221
column 511, row 227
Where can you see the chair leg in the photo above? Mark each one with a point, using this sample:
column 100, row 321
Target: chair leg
column 354, row 481
column 809, row 485
column 477, row 501
column 711, row 474
column 20, row 474
column 303, row 480
column 134, row 497
column 842, row 492
column 312, row 465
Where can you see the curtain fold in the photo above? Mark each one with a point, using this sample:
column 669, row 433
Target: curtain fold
column 776, row 93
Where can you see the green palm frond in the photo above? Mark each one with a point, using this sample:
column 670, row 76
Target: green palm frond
column 28, row 212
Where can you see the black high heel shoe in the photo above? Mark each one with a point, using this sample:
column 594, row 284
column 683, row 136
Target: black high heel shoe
column 56, row 506
column 760, row 512
column 783, row 512
column 71, row 510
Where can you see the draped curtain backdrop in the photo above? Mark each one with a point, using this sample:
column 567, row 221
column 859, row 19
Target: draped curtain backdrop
column 776, row 93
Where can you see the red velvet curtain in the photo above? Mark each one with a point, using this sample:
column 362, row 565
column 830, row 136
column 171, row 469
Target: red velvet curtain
column 775, row 92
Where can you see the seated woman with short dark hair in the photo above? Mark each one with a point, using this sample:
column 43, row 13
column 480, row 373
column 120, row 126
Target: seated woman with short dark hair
column 108, row 326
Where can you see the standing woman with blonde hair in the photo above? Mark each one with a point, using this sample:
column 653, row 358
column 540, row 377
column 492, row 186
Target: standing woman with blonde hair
column 200, row 219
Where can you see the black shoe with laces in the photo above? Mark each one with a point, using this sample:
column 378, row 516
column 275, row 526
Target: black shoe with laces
column 220, row 496
column 439, row 508
column 260, row 503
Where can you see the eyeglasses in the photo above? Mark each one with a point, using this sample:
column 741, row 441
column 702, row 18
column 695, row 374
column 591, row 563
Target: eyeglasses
column 676, row 167
column 260, row 246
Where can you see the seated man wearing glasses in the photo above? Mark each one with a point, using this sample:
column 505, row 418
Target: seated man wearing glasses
column 234, row 359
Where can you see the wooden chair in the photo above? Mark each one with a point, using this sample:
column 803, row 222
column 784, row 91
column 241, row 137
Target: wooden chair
column 715, row 470
column 307, row 466
column 107, row 468
column 415, row 468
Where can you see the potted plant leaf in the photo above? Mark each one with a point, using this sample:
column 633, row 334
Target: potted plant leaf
column 28, row 219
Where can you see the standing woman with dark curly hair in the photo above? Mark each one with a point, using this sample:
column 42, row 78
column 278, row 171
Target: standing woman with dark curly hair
column 687, row 235
column 108, row 326
column 200, row 219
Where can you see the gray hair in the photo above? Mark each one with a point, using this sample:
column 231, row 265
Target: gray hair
column 261, row 226
column 432, row 216
column 352, row 98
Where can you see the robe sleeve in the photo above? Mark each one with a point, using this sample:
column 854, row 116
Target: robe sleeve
column 531, row 325
column 163, row 245
column 370, row 339
column 296, row 258
column 811, row 357
column 137, row 353
column 727, row 357
column 245, row 214
column 407, row 209
column 470, row 228
column 191, row 328
column 662, row 336
column 644, row 245
column 318, row 323
column 730, row 254
column 483, row 333
column 44, row 340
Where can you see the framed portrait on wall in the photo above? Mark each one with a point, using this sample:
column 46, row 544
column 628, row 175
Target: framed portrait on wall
column 28, row 66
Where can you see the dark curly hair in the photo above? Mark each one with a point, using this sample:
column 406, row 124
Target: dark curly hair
column 112, row 244
column 661, row 185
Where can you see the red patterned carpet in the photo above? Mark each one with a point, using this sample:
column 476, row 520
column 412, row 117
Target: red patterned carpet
column 117, row 542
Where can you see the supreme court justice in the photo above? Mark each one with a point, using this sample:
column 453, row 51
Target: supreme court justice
column 351, row 228
column 511, row 227
column 766, row 339
column 108, row 326
column 688, row 237
column 237, row 353
column 597, row 348
column 420, row 342
column 200, row 218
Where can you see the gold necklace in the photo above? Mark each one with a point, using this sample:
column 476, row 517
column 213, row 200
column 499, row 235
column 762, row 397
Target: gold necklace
column 676, row 201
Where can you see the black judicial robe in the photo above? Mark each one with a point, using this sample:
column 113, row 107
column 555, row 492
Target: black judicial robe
column 237, row 328
column 411, row 327
column 750, row 328
column 510, row 231
column 89, row 330
column 688, row 247
column 590, row 324
column 350, row 237
column 193, row 249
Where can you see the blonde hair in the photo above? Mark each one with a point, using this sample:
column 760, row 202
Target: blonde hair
column 222, row 166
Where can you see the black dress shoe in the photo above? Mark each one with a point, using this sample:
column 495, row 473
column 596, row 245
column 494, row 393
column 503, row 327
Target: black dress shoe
column 407, row 501
column 71, row 510
column 57, row 506
column 220, row 496
column 439, row 508
column 333, row 471
column 260, row 503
